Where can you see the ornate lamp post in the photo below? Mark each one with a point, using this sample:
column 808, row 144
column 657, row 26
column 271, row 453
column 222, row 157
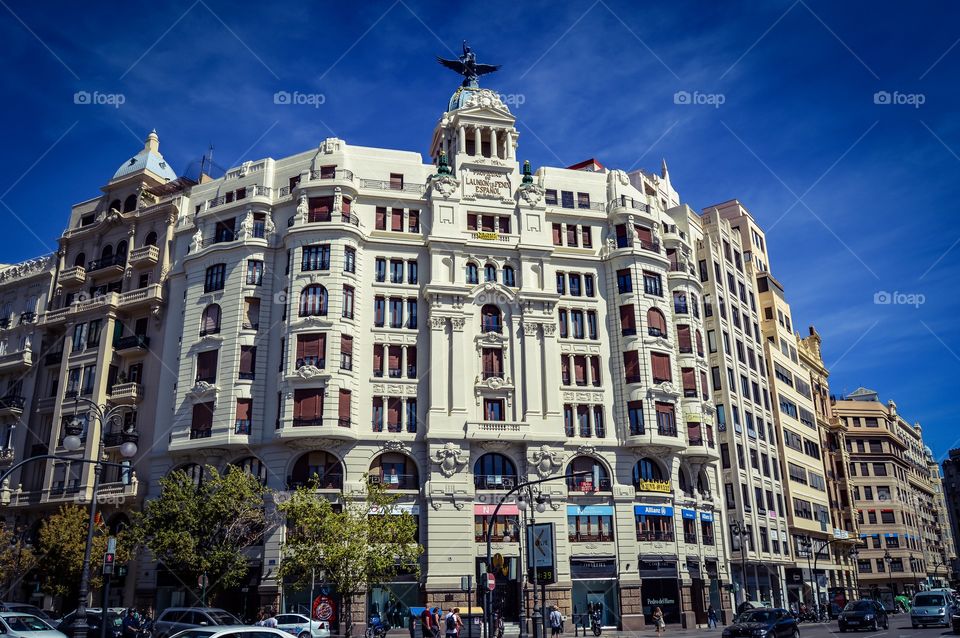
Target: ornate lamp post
column 73, row 442
column 739, row 529
column 888, row 559
column 854, row 556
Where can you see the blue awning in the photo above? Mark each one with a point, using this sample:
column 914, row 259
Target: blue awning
column 653, row 510
column 690, row 514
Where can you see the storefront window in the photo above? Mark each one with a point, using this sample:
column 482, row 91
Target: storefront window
column 505, row 529
column 585, row 529
column 392, row 601
column 595, row 583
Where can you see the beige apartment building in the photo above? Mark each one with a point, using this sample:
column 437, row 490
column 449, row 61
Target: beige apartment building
column 897, row 500
column 94, row 370
column 843, row 583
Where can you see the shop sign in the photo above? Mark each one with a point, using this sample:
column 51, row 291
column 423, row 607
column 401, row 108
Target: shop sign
column 507, row 509
column 688, row 514
column 487, row 235
column 706, row 516
column 653, row 510
column 542, row 553
column 654, row 486
column 598, row 568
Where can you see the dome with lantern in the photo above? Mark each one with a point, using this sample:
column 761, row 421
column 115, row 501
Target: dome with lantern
column 148, row 159
column 469, row 96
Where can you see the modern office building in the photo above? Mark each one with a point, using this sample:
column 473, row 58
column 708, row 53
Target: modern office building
column 893, row 493
column 754, row 493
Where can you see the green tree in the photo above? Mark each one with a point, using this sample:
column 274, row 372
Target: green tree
column 197, row 528
column 17, row 558
column 363, row 544
column 61, row 543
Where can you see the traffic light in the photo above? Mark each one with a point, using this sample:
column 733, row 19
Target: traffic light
column 108, row 560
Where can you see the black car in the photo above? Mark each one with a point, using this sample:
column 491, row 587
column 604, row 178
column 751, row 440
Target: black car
column 863, row 614
column 765, row 622
column 955, row 622
column 114, row 623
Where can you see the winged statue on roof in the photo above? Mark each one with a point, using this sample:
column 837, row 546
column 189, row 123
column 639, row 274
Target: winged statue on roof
column 467, row 66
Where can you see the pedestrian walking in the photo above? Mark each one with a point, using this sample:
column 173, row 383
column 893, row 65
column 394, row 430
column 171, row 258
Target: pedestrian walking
column 270, row 620
column 452, row 623
column 437, row 618
column 711, row 617
column 427, row 622
column 658, row 621
column 556, row 621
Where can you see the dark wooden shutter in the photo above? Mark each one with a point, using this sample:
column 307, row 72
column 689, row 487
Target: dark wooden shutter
column 683, row 339
column 627, row 319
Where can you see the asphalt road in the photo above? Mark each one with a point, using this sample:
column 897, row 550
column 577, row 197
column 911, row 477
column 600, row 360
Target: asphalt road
column 899, row 628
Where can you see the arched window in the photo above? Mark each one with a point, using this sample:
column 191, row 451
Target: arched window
column 320, row 470
column 656, row 323
column 395, row 472
column 509, row 277
column 130, row 203
column 646, row 470
column 80, row 260
column 192, row 471
column 118, row 522
column 313, row 301
column 210, row 320
column 491, row 319
column 121, row 249
column 472, row 275
column 115, row 205
column 684, row 483
column 597, row 481
column 489, row 272
column 151, row 239
column 703, row 484
column 106, row 253
column 494, row 471
column 254, row 467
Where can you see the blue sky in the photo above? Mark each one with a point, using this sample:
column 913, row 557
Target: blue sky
column 858, row 197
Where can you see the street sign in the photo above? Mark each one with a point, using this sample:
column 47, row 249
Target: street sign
column 491, row 581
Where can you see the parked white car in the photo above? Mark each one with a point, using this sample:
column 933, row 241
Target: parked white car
column 17, row 625
column 231, row 631
column 302, row 627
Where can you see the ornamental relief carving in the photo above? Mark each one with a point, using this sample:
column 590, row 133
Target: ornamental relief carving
column 308, row 372
column 530, row 329
column 445, row 185
column 451, row 460
column 531, row 194
column 546, row 461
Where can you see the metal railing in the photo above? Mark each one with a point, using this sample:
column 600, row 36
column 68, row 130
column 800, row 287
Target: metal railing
column 654, row 536
column 340, row 173
column 396, row 481
column 106, row 262
column 583, row 537
column 312, row 422
column 243, row 426
column 387, row 185
column 132, row 341
column 203, row 433
column 11, row 402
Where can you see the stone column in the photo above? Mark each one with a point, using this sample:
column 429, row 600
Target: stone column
column 458, row 366
column 462, row 139
column 532, row 367
column 439, row 369
column 508, row 146
column 551, row 385
column 494, row 151
column 477, row 148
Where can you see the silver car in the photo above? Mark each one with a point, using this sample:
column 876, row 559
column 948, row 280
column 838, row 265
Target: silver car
column 231, row 631
column 18, row 625
column 931, row 608
column 302, row 627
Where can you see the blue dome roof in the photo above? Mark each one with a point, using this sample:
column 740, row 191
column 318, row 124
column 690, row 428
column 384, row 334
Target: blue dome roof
column 474, row 96
column 150, row 159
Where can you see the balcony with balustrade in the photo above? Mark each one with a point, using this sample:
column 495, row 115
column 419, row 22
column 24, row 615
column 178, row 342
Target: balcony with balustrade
column 14, row 362
column 144, row 256
column 11, row 405
column 107, row 266
column 128, row 393
column 75, row 276
column 131, row 344
column 145, row 297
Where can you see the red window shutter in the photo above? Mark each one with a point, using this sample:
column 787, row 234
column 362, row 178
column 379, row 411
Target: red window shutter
column 557, row 235
column 319, row 209
column 471, row 221
column 487, row 222
column 346, row 344
column 378, row 357
column 665, row 408
column 379, row 307
column 343, row 409
column 565, row 368
column 202, row 416
column 683, row 338
column 585, row 235
column 396, row 219
column 381, row 218
column 580, row 369
column 413, row 219
column 207, row 364
column 689, row 379
column 631, row 364
column 244, row 409
column 393, row 411
column 487, row 359
column 394, row 357
column 627, row 321
column 699, row 342
column 644, row 234
column 346, row 205
column 655, row 320
column 661, row 366
column 248, row 358
column 703, row 385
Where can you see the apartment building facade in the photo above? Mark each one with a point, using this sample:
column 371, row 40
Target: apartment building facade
column 754, row 492
column 893, row 494
column 450, row 329
column 95, row 370
column 843, row 580
column 951, row 493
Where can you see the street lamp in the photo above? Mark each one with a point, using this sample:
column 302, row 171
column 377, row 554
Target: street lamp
column 73, row 443
column 888, row 559
column 534, row 503
column 739, row 529
column 854, row 556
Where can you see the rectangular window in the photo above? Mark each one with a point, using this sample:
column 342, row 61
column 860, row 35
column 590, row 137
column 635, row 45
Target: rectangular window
column 379, row 311
column 557, row 234
column 666, row 419
column 590, row 529
column 651, row 284
column 214, row 278
column 592, row 324
column 248, row 362
column 628, row 324
column 660, row 365
column 396, row 271
column 412, row 314
column 624, row 281
column 586, row 236
column 315, row 257
column 381, row 218
column 311, row 350
column 308, row 407
column 412, row 275
column 635, row 416
column 349, row 260
column 631, row 366
column 344, row 408
column 251, row 313
column 202, row 420
column 346, row 352
column 413, row 221
column 244, row 423
column 207, row 366
column 319, row 209
column 396, row 312
column 348, row 302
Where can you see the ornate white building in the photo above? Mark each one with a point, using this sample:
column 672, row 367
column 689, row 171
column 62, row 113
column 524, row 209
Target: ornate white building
column 451, row 328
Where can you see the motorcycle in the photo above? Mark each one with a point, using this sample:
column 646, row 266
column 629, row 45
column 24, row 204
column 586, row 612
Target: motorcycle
column 377, row 628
